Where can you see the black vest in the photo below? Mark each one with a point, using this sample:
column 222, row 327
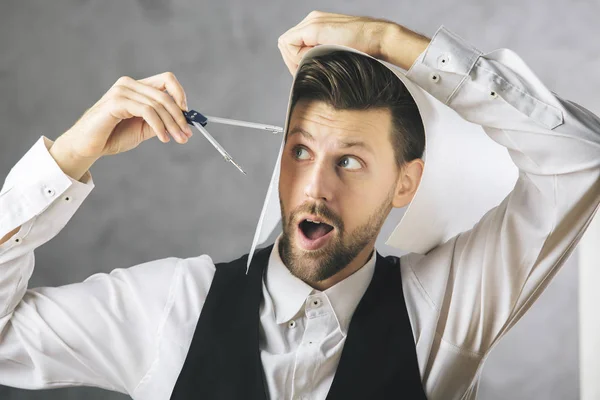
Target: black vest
column 378, row 361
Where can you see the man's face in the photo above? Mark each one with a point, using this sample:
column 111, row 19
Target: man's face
column 338, row 170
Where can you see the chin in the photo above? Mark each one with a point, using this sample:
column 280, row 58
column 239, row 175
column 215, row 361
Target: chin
column 313, row 265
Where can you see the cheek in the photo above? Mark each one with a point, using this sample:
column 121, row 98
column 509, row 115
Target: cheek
column 289, row 184
column 352, row 210
column 359, row 202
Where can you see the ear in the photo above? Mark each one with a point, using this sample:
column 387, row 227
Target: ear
column 408, row 182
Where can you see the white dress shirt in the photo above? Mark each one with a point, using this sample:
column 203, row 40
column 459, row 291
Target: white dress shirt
column 130, row 330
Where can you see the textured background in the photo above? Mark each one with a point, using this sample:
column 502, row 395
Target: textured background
column 57, row 58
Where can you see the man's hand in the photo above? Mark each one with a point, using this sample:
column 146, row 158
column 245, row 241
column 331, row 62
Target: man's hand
column 379, row 38
column 129, row 113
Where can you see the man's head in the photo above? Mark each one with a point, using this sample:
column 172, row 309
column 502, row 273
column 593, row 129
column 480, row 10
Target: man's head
column 352, row 152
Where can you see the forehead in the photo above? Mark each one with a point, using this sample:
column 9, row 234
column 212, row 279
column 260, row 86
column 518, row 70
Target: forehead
column 324, row 122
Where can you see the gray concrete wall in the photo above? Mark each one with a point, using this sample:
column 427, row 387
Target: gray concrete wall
column 57, row 58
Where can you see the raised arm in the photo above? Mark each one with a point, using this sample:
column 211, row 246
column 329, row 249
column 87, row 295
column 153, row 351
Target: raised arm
column 104, row 331
column 498, row 268
column 482, row 281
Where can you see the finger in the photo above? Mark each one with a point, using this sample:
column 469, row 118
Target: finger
column 291, row 57
column 303, row 51
column 165, row 101
column 295, row 40
column 316, row 14
column 125, row 108
column 293, row 50
column 325, row 28
column 286, row 59
column 168, row 121
column 305, row 35
column 321, row 15
column 167, row 81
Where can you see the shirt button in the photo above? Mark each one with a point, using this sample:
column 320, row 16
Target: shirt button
column 316, row 303
column 292, row 324
column 435, row 78
column 68, row 198
column 49, row 192
column 17, row 240
column 443, row 60
column 493, row 94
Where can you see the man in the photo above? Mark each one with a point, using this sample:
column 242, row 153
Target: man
column 319, row 314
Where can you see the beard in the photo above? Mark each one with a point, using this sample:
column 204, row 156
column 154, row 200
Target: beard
column 318, row 265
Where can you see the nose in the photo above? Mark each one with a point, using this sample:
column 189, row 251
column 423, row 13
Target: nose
column 319, row 184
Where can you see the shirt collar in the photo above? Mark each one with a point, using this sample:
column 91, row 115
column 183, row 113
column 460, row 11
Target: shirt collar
column 344, row 296
column 289, row 293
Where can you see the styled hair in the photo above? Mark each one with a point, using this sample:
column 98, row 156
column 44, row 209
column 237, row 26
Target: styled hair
column 350, row 81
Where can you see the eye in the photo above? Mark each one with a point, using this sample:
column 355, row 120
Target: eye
column 300, row 153
column 350, row 163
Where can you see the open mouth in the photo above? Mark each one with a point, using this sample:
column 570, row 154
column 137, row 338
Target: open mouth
column 313, row 233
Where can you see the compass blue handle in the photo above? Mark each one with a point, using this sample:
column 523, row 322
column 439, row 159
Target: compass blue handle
column 195, row 116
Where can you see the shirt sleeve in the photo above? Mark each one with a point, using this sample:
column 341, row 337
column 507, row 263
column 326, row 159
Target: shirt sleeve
column 102, row 332
column 496, row 270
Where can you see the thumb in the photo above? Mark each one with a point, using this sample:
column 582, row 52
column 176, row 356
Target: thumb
column 303, row 51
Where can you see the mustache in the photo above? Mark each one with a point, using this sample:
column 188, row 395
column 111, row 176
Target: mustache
column 319, row 210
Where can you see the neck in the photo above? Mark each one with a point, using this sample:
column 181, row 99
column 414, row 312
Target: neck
column 359, row 261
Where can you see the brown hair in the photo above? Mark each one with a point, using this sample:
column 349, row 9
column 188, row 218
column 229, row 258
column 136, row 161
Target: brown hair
column 350, row 81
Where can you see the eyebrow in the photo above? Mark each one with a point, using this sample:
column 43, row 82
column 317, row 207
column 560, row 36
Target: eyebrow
column 344, row 144
column 301, row 131
column 356, row 143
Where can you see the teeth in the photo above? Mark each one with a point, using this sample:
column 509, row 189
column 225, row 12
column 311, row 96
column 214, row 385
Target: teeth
column 314, row 222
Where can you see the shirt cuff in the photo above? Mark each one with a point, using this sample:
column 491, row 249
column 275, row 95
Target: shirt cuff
column 34, row 183
column 444, row 65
